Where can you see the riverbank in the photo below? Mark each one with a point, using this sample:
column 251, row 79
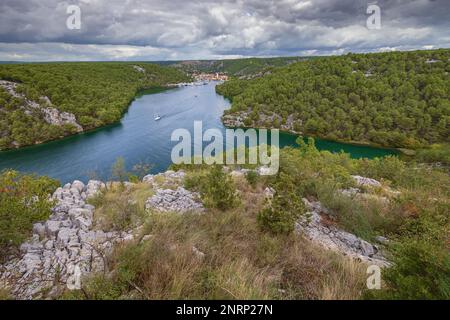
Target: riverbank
column 81, row 131
column 57, row 100
column 137, row 138
column 243, row 120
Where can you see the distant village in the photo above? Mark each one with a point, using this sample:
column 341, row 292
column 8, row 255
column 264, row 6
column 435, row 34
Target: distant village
column 202, row 79
column 218, row 76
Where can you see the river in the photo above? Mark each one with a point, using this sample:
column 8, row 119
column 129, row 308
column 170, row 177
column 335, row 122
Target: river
column 140, row 139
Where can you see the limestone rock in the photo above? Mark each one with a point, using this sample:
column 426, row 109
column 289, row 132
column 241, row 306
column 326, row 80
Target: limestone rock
column 333, row 238
column 269, row 192
column 179, row 200
column 366, row 182
column 168, row 177
column 64, row 246
column 381, row 239
column 50, row 114
column 198, row 253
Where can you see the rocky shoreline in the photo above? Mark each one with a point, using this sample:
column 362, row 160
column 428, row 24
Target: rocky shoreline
column 242, row 119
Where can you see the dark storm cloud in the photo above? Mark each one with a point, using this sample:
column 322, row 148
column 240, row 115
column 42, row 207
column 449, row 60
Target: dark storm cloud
column 181, row 29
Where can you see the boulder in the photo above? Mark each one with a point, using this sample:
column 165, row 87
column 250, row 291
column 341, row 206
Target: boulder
column 366, row 182
column 78, row 185
column 52, row 228
column 179, row 200
column 65, row 235
column 333, row 238
column 39, row 229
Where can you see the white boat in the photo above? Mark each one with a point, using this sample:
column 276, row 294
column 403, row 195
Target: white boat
column 157, row 117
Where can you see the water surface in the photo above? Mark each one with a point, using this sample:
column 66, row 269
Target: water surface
column 140, row 139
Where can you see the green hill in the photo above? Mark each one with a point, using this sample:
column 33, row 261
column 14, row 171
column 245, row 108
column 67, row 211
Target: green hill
column 397, row 99
column 96, row 93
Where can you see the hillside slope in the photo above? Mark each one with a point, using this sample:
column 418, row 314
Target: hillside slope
column 397, row 99
column 90, row 94
column 204, row 232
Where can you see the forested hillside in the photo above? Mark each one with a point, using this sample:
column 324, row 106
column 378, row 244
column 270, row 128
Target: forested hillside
column 397, row 99
column 95, row 93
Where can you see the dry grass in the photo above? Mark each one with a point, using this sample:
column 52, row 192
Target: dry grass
column 5, row 294
column 309, row 272
column 120, row 208
column 239, row 262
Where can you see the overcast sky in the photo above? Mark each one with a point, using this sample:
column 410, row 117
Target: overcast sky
column 36, row 30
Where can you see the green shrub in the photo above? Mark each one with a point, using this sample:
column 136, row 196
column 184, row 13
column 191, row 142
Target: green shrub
column 218, row 190
column 421, row 271
column 118, row 170
column 390, row 168
column 436, row 153
column 194, row 181
column 248, row 122
column 133, row 178
column 252, row 178
column 281, row 213
column 24, row 200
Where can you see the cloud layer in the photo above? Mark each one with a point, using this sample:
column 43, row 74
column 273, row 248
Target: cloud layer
column 183, row 29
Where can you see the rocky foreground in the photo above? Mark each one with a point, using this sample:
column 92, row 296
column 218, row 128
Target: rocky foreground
column 63, row 248
column 68, row 245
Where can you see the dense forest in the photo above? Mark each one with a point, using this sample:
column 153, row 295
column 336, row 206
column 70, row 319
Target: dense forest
column 396, row 99
column 96, row 93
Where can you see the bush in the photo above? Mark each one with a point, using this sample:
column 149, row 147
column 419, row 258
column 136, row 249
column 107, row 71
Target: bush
column 390, row 168
column 219, row 190
column 24, row 200
column 436, row 153
column 194, row 181
column 252, row 178
column 281, row 213
column 118, row 170
column 421, row 271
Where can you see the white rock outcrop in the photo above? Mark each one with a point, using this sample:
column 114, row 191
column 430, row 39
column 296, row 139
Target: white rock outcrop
column 178, row 200
column 333, row 238
column 172, row 177
column 366, row 182
column 51, row 115
column 63, row 248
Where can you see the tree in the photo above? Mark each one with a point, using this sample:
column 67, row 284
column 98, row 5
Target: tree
column 118, row 170
column 284, row 209
column 394, row 99
column 219, row 190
